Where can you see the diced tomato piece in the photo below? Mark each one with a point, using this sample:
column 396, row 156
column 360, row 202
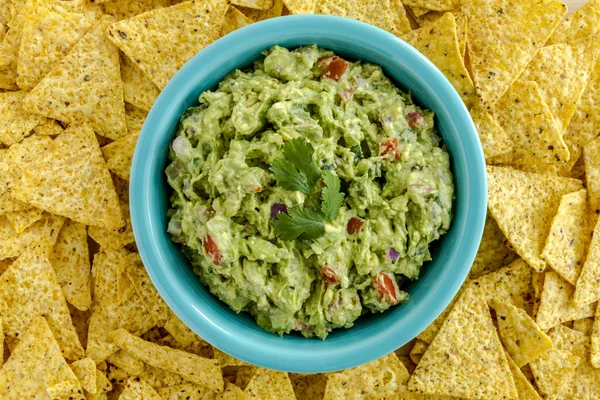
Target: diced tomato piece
column 329, row 274
column 346, row 95
column 325, row 61
column 212, row 249
column 335, row 69
column 257, row 189
column 389, row 147
column 415, row 119
column 387, row 287
column 354, row 225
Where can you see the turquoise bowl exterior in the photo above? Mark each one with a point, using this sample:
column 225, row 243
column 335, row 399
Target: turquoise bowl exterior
column 373, row 335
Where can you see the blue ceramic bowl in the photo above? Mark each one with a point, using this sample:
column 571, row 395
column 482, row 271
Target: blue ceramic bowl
column 373, row 335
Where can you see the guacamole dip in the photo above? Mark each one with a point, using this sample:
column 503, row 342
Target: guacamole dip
column 307, row 190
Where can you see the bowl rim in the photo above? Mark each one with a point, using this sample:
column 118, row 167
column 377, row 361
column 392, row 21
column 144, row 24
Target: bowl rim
column 207, row 322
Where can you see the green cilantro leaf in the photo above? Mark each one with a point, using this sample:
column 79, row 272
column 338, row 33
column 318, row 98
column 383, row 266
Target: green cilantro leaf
column 299, row 223
column 297, row 170
column 332, row 197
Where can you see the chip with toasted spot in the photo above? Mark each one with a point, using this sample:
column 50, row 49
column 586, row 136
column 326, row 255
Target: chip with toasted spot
column 50, row 128
column 591, row 157
column 138, row 89
column 15, row 122
column 260, row 15
column 110, row 240
column 234, row 20
column 21, row 220
column 522, row 338
column 581, row 24
column 461, row 25
column 76, row 185
column 184, row 391
column 553, row 372
column 87, row 81
column 309, row 386
column 525, row 389
column 81, row 321
column 85, row 371
column 447, row 369
column 595, row 340
column 164, row 39
column 267, row 384
column 136, row 389
column 524, row 204
column 492, row 254
column 155, row 305
column 110, row 282
column 158, row 378
column 123, row 9
column 42, row 233
column 416, row 353
column 71, row 262
column 435, row 5
column 503, row 37
column 494, row 139
column 119, row 154
column 202, row 371
column 17, row 157
column 183, row 334
column 587, row 289
column 300, row 6
column 584, row 325
column 255, row 4
column 381, row 13
column 127, row 362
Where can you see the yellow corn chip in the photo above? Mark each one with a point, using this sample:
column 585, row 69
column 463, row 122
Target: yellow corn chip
column 439, row 43
column 137, row 389
column 569, row 236
column 155, row 305
column 418, row 350
column 493, row 138
column 17, row 157
column 260, row 15
column 492, row 253
column 103, row 386
column 47, row 37
column 587, row 289
column 202, row 371
column 554, row 371
column 562, row 72
column 116, row 375
column 231, row 392
column 524, row 388
column 225, row 360
column 119, row 154
column 267, row 384
column 503, row 37
column 556, row 304
column 123, row 9
column 50, row 128
column 71, row 262
column 184, row 391
column 436, row 5
column 300, row 6
column 138, row 89
column 307, row 387
column 595, row 340
column 522, row 338
column 184, row 335
column 447, row 369
column 234, row 19
column 111, row 285
column 43, row 233
column 114, row 240
column 127, row 362
column 461, row 25
column 584, row 325
column 21, row 220
column 419, row 12
column 85, row 371
column 243, row 376
column 15, row 122
column 432, row 330
column 529, row 123
column 255, row 4
column 36, row 364
column 74, row 184
column 162, row 40
column 524, row 204
column 544, row 169
column 2, row 350
column 591, row 156
column 81, row 321
column 583, row 23
column 29, row 288
column 87, row 81
column 537, row 282
column 158, row 378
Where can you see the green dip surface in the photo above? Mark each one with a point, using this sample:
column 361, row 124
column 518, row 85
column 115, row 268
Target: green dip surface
column 307, row 190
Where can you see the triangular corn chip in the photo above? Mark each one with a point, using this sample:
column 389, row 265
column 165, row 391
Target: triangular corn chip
column 184, row 335
column 113, row 240
column 522, row 338
column 234, row 20
column 417, row 351
column 127, row 363
column 569, row 236
column 85, row 371
column 529, row 123
column 254, row 4
column 162, row 40
column 524, row 204
column 447, row 369
column 436, row 5
column 136, row 389
column 494, row 139
column 587, row 289
column 111, row 285
column 15, row 122
column 554, row 371
column 43, row 233
column 556, row 304
column 86, row 81
column 21, row 220
column 524, row 388
column 71, row 262
column 50, row 128
column 18, row 156
column 119, row 154
column 584, row 325
column 76, row 185
column 492, row 254
column 503, row 37
column 155, row 305
column 267, row 384
column 123, row 9
column 225, row 360
column 186, row 391
column 137, row 88
column 581, row 24
column 595, row 340
column 47, row 38
column 591, row 157
column 202, row 371
column 260, row 15
column 36, row 364
column 308, row 386
column 439, row 43
column 300, row 6
column 562, row 72
column 461, row 25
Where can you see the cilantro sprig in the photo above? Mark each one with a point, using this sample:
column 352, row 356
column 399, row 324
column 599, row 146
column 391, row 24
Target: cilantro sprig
column 297, row 170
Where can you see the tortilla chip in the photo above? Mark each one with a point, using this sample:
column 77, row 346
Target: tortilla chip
column 103, row 386
column 35, row 364
column 439, row 43
column 447, row 369
column 522, row 338
column 185, row 391
column 119, row 154
column 138, row 89
column 43, row 233
column 47, row 38
column 562, row 72
column 17, row 157
column 15, row 122
column 162, row 40
column 267, row 384
column 419, row 12
column 87, row 81
column 591, row 157
column 121, row 187
column 537, row 282
column 234, row 19
column 584, row 325
column 380, row 13
column 127, row 362
column 418, row 350
column 524, row 204
column 21, row 220
column 554, row 372
column 136, row 389
column 231, row 392
column 76, row 185
column 225, row 360
column 113, row 240
column 595, row 340
column 436, row 5
column 199, row 370
column 492, row 253
column 184, row 335
column 85, row 371
column 503, row 37
column 158, row 378
column 529, row 123
column 110, row 282
column 254, row 4
column 155, row 305
column 556, row 304
column 587, row 289
column 81, row 321
column 308, row 387
column 300, row 6
column 544, row 169
column 71, row 262
column 432, row 330
column 243, row 376
column 50, row 128
column 494, row 139
column 116, row 375
column 461, row 25
column 583, row 23
column 258, row 15
column 123, row 9
column 525, row 389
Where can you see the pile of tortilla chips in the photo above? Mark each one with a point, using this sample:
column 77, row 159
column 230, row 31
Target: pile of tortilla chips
column 79, row 316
